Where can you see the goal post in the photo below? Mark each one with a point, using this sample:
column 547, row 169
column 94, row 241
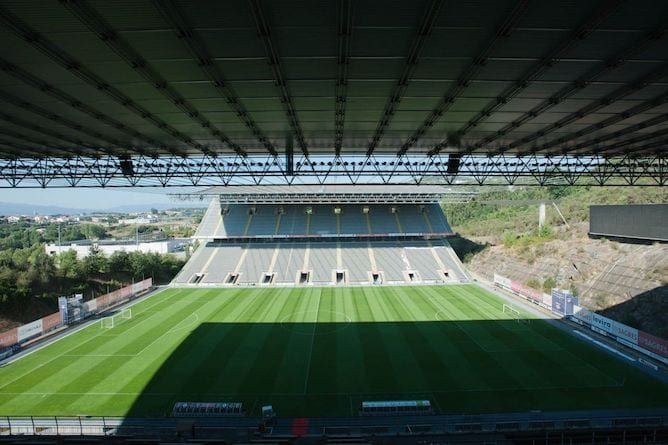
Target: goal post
column 111, row 321
column 107, row 322
column 125, row 314
column 507, row 309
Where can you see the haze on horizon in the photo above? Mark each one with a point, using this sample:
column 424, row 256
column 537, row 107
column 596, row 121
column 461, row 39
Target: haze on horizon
column 89, row 198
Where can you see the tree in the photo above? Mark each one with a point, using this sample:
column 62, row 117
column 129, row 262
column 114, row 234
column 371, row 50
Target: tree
column 119, row 262
column 549, row 284
column 68, row 264
column 95, row 263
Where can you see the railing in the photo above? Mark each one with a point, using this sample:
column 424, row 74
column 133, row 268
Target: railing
column 340, row 427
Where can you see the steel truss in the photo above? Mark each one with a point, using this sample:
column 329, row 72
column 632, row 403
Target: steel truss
column 204, row 170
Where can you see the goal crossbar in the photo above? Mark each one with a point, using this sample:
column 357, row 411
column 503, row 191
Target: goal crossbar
column 110, row 322
column 507, row 309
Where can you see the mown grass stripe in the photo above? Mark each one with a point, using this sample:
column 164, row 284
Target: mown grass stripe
column 451, row 344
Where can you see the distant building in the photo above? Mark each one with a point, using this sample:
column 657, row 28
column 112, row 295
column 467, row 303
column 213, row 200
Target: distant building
column 108, row 247
column 139, row 220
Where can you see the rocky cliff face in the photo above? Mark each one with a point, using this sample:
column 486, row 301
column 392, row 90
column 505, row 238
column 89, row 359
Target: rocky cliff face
column 627, row 282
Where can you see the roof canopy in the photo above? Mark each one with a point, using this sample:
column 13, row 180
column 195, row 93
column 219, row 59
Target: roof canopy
column 177, row 77
column 335, row 194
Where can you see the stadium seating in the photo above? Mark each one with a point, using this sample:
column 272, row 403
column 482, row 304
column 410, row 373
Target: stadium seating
column 263, row 220
column 322, row 244
column 426, row 260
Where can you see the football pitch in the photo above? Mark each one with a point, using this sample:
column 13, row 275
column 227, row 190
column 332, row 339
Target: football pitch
column 321, row 352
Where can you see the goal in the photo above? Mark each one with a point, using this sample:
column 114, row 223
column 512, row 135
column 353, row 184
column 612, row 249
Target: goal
column 514, row 313
column 125, row 314
column 511, row 311
column 107, row 323
column 110, row 322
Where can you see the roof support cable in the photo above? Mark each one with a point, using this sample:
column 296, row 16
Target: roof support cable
column 344, row 30
column 612, row 120
column 274, row 60
column 65, row 60
column 605, row 67
column 422, row 34
column 197, row 48
column 468, row 74
column 109, row 36
column 604, row 10
column 62, row 96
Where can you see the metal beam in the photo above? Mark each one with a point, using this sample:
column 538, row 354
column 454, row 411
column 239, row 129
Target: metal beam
column 633, row 111
column 79, row 147
column 468, row 74
column 411, row 60
column 649, row 147
column 625, row 143
column 274, row 60
column 593, row 21
column 45, row 148
column 227, row 170
column 609, row 65
column 62, row 96
column 344, row 28
column 39, row 111
column 201, row 55
column 65, row 60
column 109, row 36
column 17, row 150
column 631, row 129
column 621, row 92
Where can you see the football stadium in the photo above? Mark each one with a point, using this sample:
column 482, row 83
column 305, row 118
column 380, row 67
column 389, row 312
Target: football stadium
column 326, row 298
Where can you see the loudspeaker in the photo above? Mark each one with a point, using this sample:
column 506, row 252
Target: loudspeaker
column 126, row 167
column 453, row 163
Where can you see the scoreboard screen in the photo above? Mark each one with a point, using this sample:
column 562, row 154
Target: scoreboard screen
column 643, row 221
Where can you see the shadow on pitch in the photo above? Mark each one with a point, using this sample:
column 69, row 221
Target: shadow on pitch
column 328, row 369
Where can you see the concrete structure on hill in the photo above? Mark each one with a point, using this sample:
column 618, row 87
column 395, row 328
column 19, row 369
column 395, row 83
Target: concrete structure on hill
column 109, row 247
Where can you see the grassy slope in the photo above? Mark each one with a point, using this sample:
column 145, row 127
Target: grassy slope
column 495, row 234
column 264, row 346
column 477, row 220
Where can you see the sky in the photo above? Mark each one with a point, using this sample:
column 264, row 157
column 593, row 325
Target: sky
column 88, row 198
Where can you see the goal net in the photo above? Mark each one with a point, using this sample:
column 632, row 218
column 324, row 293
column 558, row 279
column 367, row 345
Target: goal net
column 110, row 322
column 107, row 322
column 125, row 314
column 511, row 311
column 514, row 313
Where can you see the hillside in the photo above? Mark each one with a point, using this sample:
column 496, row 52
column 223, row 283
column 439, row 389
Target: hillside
column 627, row 282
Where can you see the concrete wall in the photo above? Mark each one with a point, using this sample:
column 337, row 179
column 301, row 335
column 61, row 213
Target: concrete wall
column 82, row 250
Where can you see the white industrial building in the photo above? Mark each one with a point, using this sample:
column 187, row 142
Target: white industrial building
column 108, row 247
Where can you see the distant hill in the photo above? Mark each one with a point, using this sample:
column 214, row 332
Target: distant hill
column 11, row 208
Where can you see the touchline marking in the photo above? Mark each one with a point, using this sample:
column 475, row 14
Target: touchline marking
column 99, row 355
column 342, row 394
column 603, row 345
column 78, row 329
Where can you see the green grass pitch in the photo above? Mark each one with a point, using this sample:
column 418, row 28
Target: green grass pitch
column 321, row 351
